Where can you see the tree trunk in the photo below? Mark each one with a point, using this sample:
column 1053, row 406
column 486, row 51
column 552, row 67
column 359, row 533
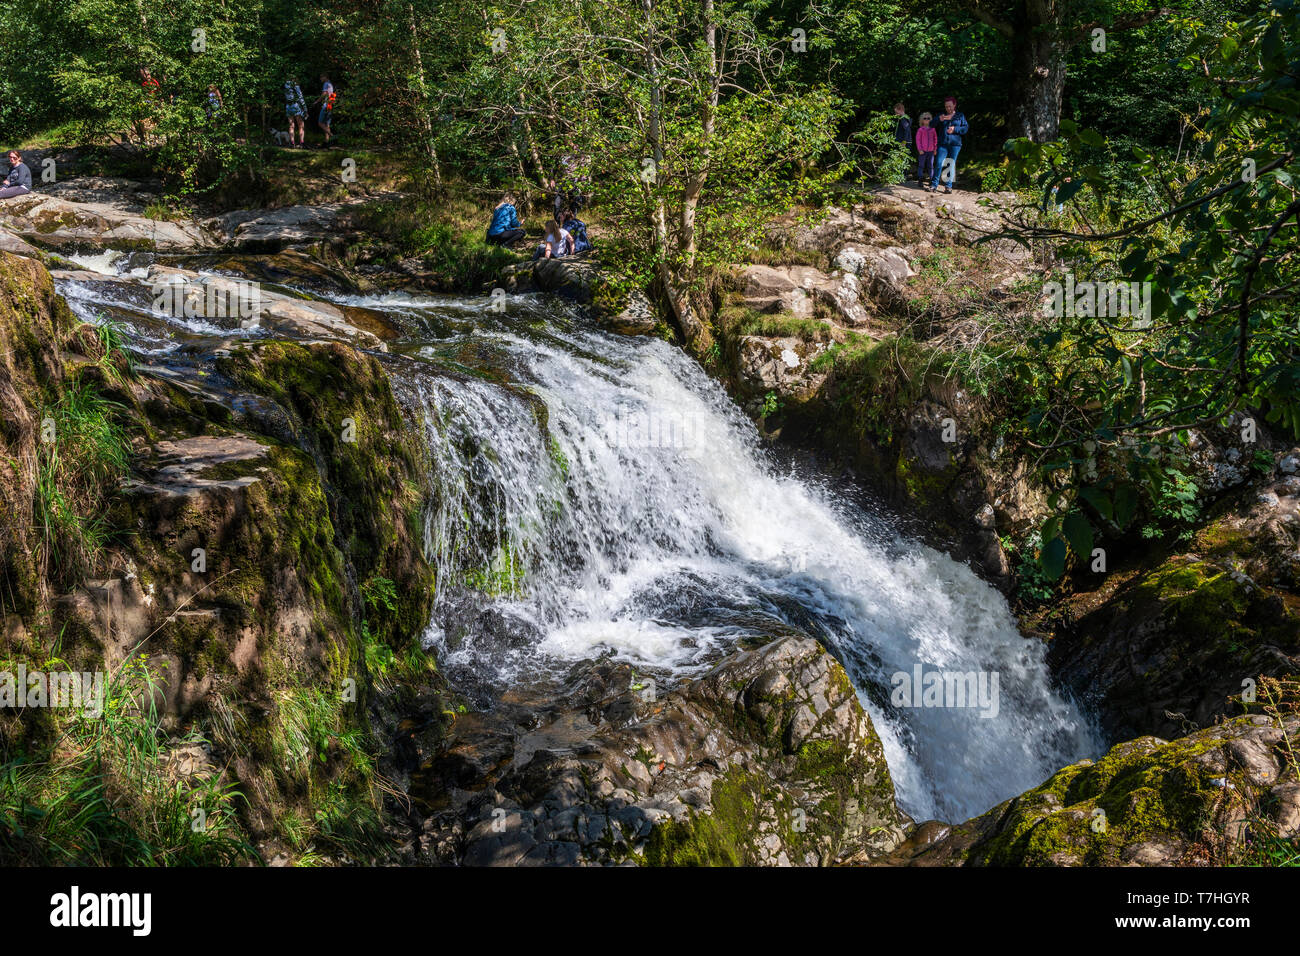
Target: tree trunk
column 1038, row 72
column 708, row 117
column 422, row 91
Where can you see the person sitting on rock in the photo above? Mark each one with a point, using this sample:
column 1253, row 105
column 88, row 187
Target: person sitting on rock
column 556, row 242
column 576, row 228
column 19, row 180
column 505, row 228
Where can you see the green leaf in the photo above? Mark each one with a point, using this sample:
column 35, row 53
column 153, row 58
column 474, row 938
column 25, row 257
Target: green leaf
column 1099, row 500
column 1051, row 528
column 1126, row 501
column 1079, row 533
column 1052, row 559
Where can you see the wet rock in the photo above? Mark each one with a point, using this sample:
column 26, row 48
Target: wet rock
column 270, row 230
column 238, row 304
column 1171, row 647
column 11, row 243
column 637, row 317
column 768, row 758
column 570, row 277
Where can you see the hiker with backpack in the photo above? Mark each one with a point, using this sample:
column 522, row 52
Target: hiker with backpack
column 326, row 101
column 576, row 228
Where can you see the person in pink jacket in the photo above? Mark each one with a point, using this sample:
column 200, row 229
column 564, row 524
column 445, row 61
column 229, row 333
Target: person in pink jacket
column 927, row 142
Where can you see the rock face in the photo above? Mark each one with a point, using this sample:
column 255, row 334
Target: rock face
column 61, row 224
column 767, row 759
column 270, row 230
column 107, row 213
column 1199, row 800
column 267, row 490
column 1165, row 649
column 781, row 365
column 799, row 289
column 239, row 305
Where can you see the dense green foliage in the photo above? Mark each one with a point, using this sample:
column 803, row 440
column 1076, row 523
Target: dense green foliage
column 1211, row 232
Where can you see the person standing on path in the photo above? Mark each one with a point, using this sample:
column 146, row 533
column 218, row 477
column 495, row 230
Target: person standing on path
column 950, row 126
column 903, row 131
column 295, row 108
column 927, row 141
column 326, row 101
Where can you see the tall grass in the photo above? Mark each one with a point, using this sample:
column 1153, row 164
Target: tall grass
column 448, row 232
column 82, row 453
column 105, row 793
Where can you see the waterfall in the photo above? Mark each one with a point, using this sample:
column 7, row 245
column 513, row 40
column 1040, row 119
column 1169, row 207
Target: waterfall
column 599, row 494
column 646, row 521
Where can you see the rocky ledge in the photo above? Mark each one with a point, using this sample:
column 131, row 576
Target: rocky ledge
column 767, row 759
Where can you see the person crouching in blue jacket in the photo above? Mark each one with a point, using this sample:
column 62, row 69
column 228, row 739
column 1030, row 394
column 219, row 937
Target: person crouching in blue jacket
column 951, row 126
column 505, row 228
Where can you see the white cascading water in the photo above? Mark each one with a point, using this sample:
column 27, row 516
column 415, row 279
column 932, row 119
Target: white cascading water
column 652, row 525
column 644, row 519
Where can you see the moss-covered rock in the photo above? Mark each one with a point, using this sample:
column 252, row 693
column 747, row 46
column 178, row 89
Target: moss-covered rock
column 1202, row 799
column 1170, row 648
column 262, row 560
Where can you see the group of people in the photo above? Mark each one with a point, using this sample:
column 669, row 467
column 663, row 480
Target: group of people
column 295, row 105
column 295, row 108
column 937, row 139
column 563, row 235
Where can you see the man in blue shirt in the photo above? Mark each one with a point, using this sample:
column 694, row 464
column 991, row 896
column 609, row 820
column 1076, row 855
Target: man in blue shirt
column 951, row 126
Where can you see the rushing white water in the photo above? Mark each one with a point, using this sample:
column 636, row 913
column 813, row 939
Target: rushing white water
column 607, row 497
column 650, row 524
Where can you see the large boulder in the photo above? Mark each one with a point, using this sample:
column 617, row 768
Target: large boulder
column 798, row 290
column 57, row 223
column 270, row 230
column 570, row 277
column 1164, row 649
column 767, row 759
column 780, row 365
